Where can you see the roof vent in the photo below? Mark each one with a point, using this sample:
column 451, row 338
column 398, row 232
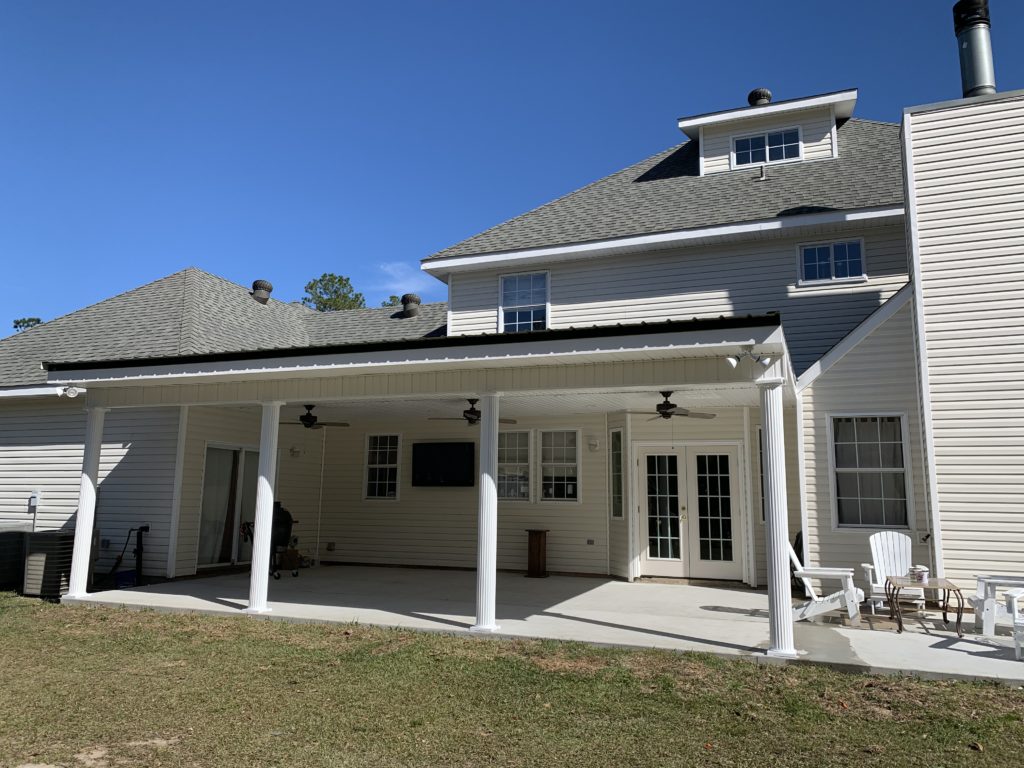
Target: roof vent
column 261, row 290
column 759, row 97
column 410, row 305
column 971, row 23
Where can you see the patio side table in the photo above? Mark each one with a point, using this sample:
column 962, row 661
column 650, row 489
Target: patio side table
column 893, row 585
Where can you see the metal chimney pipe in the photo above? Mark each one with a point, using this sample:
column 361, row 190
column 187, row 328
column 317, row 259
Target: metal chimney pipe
column 971, row 24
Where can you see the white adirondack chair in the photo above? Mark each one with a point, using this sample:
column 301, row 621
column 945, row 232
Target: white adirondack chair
column 1014, row 599
column 891, row 555
column 847, row 598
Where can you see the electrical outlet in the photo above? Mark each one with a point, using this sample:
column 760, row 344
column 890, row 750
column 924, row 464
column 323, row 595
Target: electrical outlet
column 330, row 546
column 104, row 543
column 590, row 542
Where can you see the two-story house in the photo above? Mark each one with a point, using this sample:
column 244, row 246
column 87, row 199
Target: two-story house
column 793, row 321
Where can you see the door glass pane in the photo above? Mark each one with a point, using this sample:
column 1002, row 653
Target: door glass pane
column 215, row 528
column 663, row 507
column 714, row 508
column 250, row 473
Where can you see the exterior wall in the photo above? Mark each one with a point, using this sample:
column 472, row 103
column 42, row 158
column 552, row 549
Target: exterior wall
column 437, row 526
column 876, row 377
column 738, row 279
column 966, row 192
column 815, row 132
column 41, row 449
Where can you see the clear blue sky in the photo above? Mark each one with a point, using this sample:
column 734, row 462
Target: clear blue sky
column 281, row 140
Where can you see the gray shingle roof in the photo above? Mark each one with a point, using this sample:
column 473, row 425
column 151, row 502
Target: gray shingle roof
column 194, row 313
column 664, row 193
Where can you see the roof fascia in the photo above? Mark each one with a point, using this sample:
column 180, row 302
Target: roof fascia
column 842, row 101
column 443, row 267
column 766, row 337
column 850, row 341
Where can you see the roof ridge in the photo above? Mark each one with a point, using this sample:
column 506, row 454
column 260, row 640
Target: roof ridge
column 873, row 121
column 604, row 178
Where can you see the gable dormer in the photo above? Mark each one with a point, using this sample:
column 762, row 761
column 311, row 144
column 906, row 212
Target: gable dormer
column 766, row 133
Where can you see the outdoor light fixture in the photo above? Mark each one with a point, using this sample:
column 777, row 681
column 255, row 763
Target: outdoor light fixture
column 748, row 354
column 71, row 392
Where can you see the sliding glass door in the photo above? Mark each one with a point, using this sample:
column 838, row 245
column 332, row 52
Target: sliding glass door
column 229, row 501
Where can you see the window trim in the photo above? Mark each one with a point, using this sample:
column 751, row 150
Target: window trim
column 579, row 466
column 547, row 296
column 861, row 278
column 908, row 471
column 733, row 138
column 622, row 473
column 366, row 467
column 529, row 463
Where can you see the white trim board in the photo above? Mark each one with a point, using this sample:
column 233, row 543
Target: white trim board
column 871, row 323
column 842, row 102
column 442, row 268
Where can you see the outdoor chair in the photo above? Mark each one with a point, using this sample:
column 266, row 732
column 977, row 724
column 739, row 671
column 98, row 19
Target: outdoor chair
column 987, row 609
column 891, row 556
column 1014, row 599
column 848, row 598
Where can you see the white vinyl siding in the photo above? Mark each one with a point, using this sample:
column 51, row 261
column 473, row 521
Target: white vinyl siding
column 815, row 126
column 437, row 526
column 877, row 376
column 967, row 176
column 705, row 281
column 41, row 449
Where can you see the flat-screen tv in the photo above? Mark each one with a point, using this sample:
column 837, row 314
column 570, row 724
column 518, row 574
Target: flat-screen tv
column 446, row 465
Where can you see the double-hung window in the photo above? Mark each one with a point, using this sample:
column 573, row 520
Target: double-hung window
column 514, row 466
column 524, row 302
column 559, row 465
column 871, row 479
column 772, row 147
column 832, row 261
column 382, row 466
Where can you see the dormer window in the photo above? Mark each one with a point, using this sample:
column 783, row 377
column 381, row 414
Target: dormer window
column 524, row 303
column 826, row 262
column 773, row 147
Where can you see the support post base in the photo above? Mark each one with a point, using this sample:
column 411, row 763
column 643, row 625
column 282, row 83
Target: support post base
column 781, row 653
column 256, row 611
column 484, row 628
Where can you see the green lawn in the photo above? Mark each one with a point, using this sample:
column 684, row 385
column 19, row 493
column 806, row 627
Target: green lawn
column 98, row 688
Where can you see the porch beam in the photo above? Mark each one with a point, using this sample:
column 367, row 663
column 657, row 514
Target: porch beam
column 264, row 516
column 85, row 518
column 487, row 526
column 780, row 603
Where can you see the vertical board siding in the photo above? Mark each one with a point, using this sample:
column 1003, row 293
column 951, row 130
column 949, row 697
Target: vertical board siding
column 815, row 129
column 41, row 449
column 437, row 526
column 877, row 376
column 750, row 278
column 967, row 166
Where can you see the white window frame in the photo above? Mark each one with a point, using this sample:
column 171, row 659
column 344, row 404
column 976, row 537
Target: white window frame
column 908, row 471
column 755, row 134
column 529, row 467
column 547, row 297
column 800, row 281
column 622, row 474
column 540, row 466
column 397, row 465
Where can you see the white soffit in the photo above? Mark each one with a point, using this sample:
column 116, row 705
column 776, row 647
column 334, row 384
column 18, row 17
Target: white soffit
column 442, row 268
column 842, row 101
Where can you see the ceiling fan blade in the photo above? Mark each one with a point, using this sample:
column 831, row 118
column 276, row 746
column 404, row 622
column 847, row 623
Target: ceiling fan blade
column 446, row 418
column 333, row 424
column 655, row 418
column 695, row 415
column 508, row 421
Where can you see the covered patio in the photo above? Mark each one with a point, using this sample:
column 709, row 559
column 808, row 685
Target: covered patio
column 723, row 620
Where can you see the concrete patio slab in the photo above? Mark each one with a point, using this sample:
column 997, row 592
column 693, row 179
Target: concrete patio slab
column 720, row 620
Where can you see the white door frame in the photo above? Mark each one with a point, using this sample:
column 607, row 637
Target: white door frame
column 224, row 446
column 638, row 447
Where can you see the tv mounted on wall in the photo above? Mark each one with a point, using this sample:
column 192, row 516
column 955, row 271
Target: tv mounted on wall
column 445, row 465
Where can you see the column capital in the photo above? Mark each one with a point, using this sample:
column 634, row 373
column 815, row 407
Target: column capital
column 770, row 383
column 278, row 403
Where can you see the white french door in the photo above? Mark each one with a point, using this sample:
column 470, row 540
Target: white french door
column 229, row 500
column 690, row 515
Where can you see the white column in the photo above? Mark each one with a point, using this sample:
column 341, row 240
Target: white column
column 487, row 527
column 264, row 516
column 776, row 516
column 86, row 517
